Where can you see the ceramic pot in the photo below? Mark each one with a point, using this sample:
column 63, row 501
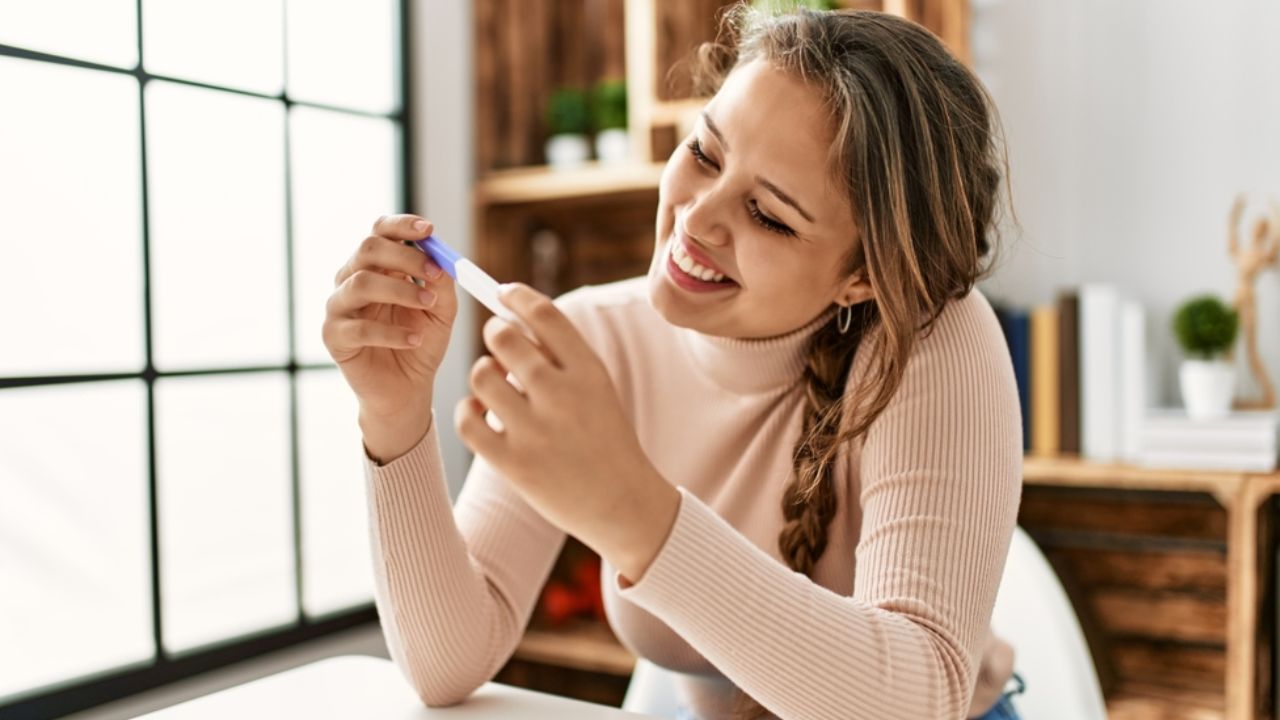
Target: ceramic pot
column 567, row 151
column 1207, row 387
column 613, row 146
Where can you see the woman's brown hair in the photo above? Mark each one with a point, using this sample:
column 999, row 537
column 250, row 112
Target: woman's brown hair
column 916, row 150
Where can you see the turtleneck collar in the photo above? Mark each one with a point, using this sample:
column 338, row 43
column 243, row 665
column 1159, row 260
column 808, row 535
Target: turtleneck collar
column 752, row 365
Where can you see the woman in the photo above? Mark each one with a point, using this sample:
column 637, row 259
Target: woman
column 806, row 384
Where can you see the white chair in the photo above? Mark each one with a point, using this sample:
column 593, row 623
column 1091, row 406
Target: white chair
column 1032, row 613
column 652, row 691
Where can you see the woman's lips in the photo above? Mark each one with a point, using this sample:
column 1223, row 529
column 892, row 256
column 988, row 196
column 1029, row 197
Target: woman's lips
column 687, row 282
column 700, row 258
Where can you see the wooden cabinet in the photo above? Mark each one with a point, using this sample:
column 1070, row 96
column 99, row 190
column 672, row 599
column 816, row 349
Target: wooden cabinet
column 1172, row 574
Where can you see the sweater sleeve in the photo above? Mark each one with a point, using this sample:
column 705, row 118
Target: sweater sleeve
column 940, row 486
column 454, row 586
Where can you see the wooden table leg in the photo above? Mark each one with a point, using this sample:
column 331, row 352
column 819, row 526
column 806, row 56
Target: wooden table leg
column 1242, row 603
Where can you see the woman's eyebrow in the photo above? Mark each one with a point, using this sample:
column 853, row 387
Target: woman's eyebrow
column 706, row 118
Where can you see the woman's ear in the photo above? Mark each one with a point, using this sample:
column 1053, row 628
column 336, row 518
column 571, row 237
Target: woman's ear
column 856, row 289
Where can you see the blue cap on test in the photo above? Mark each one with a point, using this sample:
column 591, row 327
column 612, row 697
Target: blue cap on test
column 444, row 255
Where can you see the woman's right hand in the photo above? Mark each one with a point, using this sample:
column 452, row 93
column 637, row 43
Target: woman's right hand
column 389, row 336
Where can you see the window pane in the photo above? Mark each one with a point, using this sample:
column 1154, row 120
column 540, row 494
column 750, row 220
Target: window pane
column 226, row 518
column 344, row 174
column 336, row 567
column 343, row 53
column 215, row 165
column 101, row 31
column 75, row 558
column 70, row 220
column 234, row 43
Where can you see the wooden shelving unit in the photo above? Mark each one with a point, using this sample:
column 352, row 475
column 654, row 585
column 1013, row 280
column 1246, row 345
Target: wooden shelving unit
column 587, row 646
column 542, row 184
column 1173, row 575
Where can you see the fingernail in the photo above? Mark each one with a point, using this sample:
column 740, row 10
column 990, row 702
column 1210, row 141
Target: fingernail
column 421, row 225
column 433, row 270
column 427, row 297
column 414, row 339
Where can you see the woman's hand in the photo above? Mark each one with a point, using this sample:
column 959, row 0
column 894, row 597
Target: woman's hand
column 388, row 335
column 566, row 445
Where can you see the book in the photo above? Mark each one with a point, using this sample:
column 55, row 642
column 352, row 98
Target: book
column 1241, row 431
column 1192, row 460
column 1069, row 371
column 1132, row 377
column 1046, row 364
column 1100, row 425
column 1016, row 324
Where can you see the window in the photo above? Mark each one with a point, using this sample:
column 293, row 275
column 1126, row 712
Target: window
column 180, row 480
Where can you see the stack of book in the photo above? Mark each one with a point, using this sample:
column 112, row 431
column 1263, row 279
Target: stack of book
column 1247, row 441
column 1084, row 382
column 1082, row 373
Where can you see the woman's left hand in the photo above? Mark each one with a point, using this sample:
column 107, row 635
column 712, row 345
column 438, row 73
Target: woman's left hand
column 566, row 446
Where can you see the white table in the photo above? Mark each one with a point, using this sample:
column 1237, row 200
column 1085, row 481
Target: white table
column 359, row 686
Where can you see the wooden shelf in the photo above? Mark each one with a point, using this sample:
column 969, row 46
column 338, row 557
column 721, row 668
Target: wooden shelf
column 1136, row 702
column 541, row 183
column 1074, row 471
column 588, row 646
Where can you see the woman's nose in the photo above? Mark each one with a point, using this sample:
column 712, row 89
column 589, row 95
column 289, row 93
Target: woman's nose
column 707, row 219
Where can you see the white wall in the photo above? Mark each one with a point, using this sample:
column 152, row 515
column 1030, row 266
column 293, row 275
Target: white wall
column 440, row 55
column 1131, row 125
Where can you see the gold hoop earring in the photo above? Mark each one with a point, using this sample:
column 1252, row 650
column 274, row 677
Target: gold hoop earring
column 844, row 318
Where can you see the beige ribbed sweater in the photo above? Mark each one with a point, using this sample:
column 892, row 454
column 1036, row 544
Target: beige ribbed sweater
column 893, row 623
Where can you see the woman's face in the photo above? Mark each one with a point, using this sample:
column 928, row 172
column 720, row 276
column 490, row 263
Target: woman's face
column 749, row 195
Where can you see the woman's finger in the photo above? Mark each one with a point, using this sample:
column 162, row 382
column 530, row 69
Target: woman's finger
column 475, row 433
column 528, row 363
column 351, row 334
column 381, row 253
column 366, row 287
column 553, row 329
column 403, row 227
column 489, row 385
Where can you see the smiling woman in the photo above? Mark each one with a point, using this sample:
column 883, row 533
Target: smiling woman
column 805, row 383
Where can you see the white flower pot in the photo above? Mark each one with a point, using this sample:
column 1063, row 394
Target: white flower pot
column 566, row 151
column 613, row 146
column 1207, row 388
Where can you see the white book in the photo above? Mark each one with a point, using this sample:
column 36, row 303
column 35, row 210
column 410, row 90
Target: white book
column 1237, row 420
column 1242, row 462
column 1100, row 424
column 1133, row 376
column 1260, row 439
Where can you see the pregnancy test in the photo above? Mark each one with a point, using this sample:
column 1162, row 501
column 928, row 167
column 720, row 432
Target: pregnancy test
column 483, row 288
column 469, row 275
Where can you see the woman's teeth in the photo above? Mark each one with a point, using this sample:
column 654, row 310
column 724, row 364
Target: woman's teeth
column 692, row 268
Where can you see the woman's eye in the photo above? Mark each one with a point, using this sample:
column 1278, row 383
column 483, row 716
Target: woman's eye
column 767, row 222
column 695, row 148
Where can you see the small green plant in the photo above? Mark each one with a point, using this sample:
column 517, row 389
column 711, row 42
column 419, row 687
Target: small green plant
column 567, row 112
column 777, row 7
column 1205, row 326
column 609, row 105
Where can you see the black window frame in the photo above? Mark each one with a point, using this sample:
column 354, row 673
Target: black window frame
column 76, row 695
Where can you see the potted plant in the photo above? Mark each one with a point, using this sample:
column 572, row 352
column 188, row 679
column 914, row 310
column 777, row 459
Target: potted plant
column 781, row 6
column 567, row 145
column 609, row 117
column 1206, row 329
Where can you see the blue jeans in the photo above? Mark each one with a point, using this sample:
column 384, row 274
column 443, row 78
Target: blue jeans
column 1002, row 710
